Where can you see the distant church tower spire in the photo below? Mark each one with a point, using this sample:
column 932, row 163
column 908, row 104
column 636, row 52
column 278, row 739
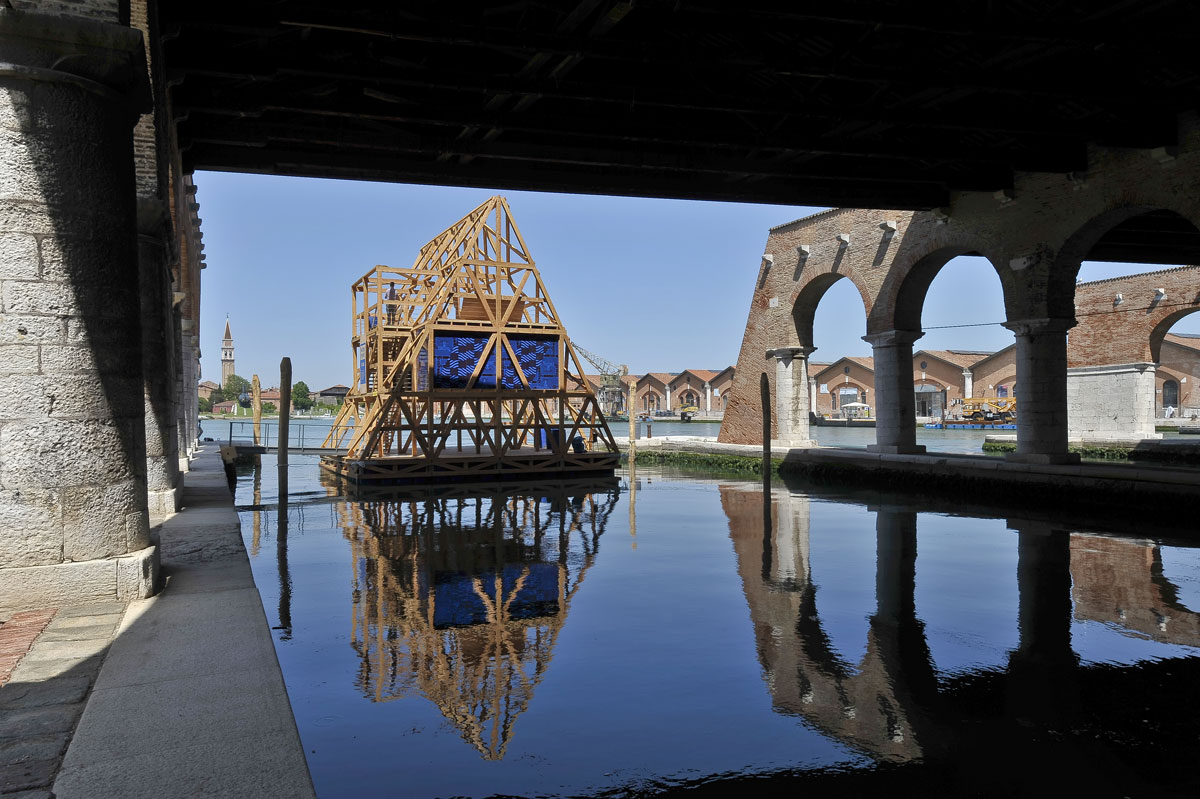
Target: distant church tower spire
column 226, row 355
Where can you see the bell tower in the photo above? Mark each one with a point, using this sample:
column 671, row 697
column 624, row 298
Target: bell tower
column 226, row 355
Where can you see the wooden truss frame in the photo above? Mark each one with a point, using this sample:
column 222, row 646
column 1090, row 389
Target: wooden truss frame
column 474, row 279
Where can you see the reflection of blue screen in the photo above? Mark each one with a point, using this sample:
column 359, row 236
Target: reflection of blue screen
column 457, row 604
column 455, row 357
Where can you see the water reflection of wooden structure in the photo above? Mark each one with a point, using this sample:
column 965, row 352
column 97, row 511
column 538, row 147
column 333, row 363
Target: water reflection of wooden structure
column 461, row 597
column 462, row 368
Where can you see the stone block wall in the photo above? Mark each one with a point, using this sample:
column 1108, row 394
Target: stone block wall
column 1113, row 402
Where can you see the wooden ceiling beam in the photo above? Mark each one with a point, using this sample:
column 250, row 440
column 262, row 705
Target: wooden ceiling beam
column 481, row 174
column 1054, row 156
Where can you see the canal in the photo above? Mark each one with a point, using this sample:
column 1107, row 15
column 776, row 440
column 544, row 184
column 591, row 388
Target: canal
column 668, row 630
column 311, row 431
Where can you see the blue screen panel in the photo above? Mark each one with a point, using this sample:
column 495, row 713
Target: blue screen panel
column 538, row 356
column 454, row 359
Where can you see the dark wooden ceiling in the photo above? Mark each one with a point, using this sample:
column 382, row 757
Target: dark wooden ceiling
column 868, row 104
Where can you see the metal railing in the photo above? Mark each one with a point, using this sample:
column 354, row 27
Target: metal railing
column 301, row 436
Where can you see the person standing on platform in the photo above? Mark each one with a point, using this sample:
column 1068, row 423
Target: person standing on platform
column 389, row 298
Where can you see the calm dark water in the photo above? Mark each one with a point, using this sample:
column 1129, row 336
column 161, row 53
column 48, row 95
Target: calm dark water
column 674, row 630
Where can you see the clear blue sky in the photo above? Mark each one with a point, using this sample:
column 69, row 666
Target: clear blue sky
column 660, row 285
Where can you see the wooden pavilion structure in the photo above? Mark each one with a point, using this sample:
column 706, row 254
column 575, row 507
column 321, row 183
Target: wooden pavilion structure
column 463, row 370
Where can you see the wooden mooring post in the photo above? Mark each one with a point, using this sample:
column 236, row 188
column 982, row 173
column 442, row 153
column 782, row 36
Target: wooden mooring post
column 764, row 390
column 256, row 399
column 285, row 409
column 632, row 423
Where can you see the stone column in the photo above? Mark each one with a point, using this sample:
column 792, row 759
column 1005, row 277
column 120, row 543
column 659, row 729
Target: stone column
column 180, row 394
column 968, row 383
column 812, row 395
column 668, row 393
column 190, row 381
column 73, row 518
column 158, row 372
column 707, row 398
column 1041, row 352
column 895, row 407
column 791, row 395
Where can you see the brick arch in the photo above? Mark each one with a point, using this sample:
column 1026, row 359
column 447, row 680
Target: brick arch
column 808, row 296
column 1133, row 330
column 862, row 389
column 901, row 298
column 1009, row 381
column 1060, row 297
column 1168, row 320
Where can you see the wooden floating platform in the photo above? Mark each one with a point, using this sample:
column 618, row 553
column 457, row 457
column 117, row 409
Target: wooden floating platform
column 469, row 467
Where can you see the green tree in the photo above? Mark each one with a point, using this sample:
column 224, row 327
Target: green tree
column 205, row 405
column 234, row 386
column 269, row 407
column 300, row 399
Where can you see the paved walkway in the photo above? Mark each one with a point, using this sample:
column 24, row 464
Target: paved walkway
column 177, row 695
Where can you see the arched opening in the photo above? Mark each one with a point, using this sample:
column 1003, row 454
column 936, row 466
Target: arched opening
column 830, row 315
column 957, row 300
column 1175, row 347
column 1135, row 298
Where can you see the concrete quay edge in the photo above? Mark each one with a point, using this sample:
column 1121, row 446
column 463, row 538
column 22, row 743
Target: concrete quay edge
column 1133, row 478
column 190, row 699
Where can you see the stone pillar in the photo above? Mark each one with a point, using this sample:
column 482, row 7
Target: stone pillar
column 707, row 398
column 191, row 376
column 812, row 395
column 668, row 393
column 791, row 396
column 968, row 383
column 180, row 393
column 1041, row 352
column 895, row 407
column 73, row 518
column 158, row 372
column 1111, row 403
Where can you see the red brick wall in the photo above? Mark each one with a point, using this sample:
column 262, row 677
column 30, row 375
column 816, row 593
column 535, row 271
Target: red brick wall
column 1126, row 333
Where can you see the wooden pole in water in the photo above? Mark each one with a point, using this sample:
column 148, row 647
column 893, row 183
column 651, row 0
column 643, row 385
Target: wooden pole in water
column 285, row 408
column 256, row 399
column 764, row 390
column 632, row 423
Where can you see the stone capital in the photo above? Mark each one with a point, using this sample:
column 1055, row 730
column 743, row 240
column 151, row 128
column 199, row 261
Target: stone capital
column 98, row 57
column 787, row 354
column 893, row 338
column 1041, row 326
